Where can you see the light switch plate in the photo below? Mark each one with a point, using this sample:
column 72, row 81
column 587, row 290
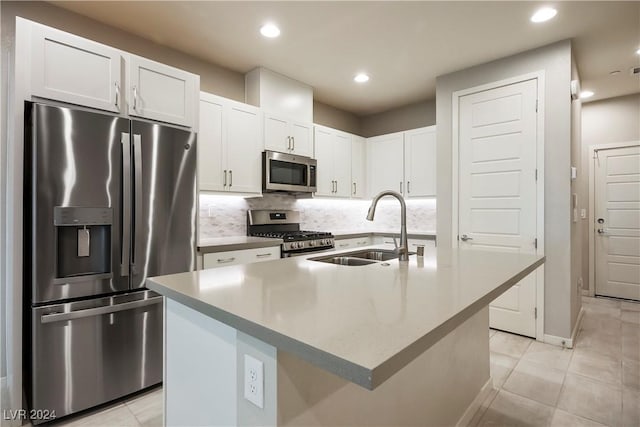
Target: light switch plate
column 254, row 380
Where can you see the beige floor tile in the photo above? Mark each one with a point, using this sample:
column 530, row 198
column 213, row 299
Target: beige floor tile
column 630, row 341
column 602, row 301
column 548, row 355
column 537, row 382
column 600, row 341
column 501, row 366
column 606, row 310
column 596, row 366
column 508, row 409
column 631, row 375
column 118, row 416
column 630, row 305
column 591, row 399
column 630, row 316
column 600, row 323
column 492, row 332
column 509, row 344
column 630, row 408
column 565, row 419
column 148, row 408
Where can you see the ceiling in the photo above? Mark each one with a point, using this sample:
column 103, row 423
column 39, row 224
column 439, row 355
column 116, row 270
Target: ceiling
column 403, row 46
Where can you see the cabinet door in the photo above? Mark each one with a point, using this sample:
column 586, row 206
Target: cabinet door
column 160, row 92
column 276, row 133
column 342, row 164
column 302, row 134
column 71, row 69
column 385, row 157
column 244, row 148
column 358, row 157
column 210, row 140
column 420, row 162
column 323, row 153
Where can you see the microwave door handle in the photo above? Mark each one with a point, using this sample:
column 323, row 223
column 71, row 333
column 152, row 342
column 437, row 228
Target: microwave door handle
column 137, row 192
column 125, row 141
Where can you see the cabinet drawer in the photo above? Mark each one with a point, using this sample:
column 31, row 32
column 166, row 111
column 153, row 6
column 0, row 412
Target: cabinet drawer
column 352, row 243
column 247, row 256
column 427, row 243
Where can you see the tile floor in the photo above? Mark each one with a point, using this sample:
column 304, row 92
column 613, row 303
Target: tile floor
column 596, row 383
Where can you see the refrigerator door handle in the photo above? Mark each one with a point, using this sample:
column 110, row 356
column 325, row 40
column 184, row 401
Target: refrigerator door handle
column 97, row 311
column 126, row 204
column 137, row 191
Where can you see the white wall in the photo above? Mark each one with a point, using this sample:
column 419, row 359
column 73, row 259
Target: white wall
column 606, row 121
column 555, row 61
column 577, row 238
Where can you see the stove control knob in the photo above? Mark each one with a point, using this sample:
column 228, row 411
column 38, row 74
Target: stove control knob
column 295, row 245
column 312, row 243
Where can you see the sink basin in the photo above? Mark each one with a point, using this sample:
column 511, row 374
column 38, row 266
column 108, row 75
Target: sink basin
column 343, row 260
column 373, row 254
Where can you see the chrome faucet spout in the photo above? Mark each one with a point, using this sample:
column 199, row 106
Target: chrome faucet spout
column 403, row 249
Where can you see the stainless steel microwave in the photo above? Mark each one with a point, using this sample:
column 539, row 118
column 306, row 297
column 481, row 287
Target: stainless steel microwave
column 288, row 172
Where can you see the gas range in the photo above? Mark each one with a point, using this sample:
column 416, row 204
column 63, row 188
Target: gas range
column 285, row 225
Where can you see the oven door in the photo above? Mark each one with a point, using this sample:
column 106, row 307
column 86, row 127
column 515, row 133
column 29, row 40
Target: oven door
column 288, row 172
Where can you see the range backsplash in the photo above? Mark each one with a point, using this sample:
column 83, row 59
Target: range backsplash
column 222, row 216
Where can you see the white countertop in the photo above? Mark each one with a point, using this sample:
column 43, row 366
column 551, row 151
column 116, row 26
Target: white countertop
column 362, row 323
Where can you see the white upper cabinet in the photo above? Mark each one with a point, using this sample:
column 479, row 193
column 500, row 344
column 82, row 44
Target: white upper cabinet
column 420, row 162
column 287, row 136
column 385, row 163
column 332, row 150
column 229, row 146
column 72, row 69
column 160, row 92
column 358, row 158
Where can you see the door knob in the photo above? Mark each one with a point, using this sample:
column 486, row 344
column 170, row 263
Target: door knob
column 464, row 238
column 602, row 231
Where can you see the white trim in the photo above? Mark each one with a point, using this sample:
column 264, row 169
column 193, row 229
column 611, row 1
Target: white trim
column 483, row 395
column 455, row 103
column 592, row 206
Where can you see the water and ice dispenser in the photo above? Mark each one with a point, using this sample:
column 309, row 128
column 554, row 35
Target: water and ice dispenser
column 83, row 237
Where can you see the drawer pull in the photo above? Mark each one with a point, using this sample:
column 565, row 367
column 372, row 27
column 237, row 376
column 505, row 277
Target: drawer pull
column 342, row 245
column 226, row 260
column 263, row 255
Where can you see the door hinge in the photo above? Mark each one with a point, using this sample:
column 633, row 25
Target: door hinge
column 536, row 105
column 458, row 238
column 535, row 243
column 535, row 313
column 536, row 174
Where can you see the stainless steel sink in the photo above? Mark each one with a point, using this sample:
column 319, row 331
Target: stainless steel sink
column 343, row 260
column 374, row 254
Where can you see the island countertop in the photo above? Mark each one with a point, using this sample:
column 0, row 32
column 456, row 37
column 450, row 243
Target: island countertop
column 362, row 323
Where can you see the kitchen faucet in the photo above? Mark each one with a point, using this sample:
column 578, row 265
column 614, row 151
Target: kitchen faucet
column 403, row 249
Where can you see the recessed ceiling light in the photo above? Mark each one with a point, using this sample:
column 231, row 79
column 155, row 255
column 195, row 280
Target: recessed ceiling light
column 586, row 94
column 638, row 52
column 270, row 31
column 544, row 14
column 361, row 78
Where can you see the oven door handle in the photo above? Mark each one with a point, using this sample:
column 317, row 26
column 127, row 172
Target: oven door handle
column 97, row 311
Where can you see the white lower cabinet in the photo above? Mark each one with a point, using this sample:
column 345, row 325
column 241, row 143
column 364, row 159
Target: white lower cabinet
column 352, row 243
column 246, row 256
column 413, row 243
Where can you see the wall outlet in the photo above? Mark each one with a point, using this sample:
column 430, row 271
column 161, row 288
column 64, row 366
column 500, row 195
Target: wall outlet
column 254, row 381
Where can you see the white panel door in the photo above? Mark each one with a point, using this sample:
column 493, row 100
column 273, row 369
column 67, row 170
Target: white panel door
column 160, row 92
column 243, row 148
column 358, row 160
column 497, row 188
column 617, row 225
column 276, row 133
column 342, row 164
column 71, row 69
column 385, row 158
column 323, row 153
column 211, row 175
column 302, row 138
column 420, row 162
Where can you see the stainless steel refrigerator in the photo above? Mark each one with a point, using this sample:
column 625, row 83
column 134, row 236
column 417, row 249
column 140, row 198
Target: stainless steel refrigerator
column 108, row 202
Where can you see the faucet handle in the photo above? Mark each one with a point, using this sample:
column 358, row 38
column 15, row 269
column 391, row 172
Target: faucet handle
column 395, row 243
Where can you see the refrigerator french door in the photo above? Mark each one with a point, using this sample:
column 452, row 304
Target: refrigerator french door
column 108, row 202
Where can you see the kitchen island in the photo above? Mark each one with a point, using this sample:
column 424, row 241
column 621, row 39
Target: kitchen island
column 389, row 343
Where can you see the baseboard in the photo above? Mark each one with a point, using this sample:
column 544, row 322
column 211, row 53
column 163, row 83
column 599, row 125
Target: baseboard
column 586, row 293
column 566, row 342
column 468, row 415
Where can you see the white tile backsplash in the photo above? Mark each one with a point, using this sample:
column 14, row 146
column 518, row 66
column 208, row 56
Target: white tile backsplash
column 222, row 215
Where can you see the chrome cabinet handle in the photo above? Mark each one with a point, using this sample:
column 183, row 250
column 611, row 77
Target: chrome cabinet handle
column 230, row 178
column 263, row 255
column 224, row 182
column 400, row 187
column 293, row 139
column 135, row 98
column 117, row 95
column 226, row 260
column 288, row 143
column 464, row 238
column 354, row 188
column 336, row 186
column 408, row 187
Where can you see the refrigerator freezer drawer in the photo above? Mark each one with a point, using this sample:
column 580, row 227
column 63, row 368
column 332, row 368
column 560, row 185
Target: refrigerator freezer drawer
column 89, row 352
